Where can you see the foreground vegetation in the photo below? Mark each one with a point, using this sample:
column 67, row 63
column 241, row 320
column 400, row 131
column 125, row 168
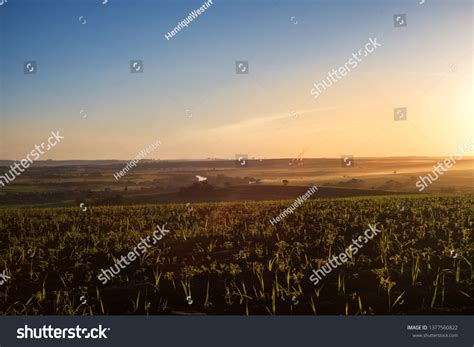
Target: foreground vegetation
column 227, row 258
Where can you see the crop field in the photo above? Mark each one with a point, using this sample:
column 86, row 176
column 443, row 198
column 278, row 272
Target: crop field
column 227, row 258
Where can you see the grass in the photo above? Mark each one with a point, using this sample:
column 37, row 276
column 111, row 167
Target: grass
column 231, row 260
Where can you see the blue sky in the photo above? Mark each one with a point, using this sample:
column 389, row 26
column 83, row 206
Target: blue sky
column 86, row 67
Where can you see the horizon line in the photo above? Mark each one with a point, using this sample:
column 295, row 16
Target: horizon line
column 233, row 159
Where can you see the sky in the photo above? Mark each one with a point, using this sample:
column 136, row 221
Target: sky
column 191, row 99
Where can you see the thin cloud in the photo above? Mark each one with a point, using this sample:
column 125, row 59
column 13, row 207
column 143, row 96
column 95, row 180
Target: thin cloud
column 267, row 120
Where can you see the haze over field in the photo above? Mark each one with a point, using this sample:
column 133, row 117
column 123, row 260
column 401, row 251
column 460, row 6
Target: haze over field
column 56, row 183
